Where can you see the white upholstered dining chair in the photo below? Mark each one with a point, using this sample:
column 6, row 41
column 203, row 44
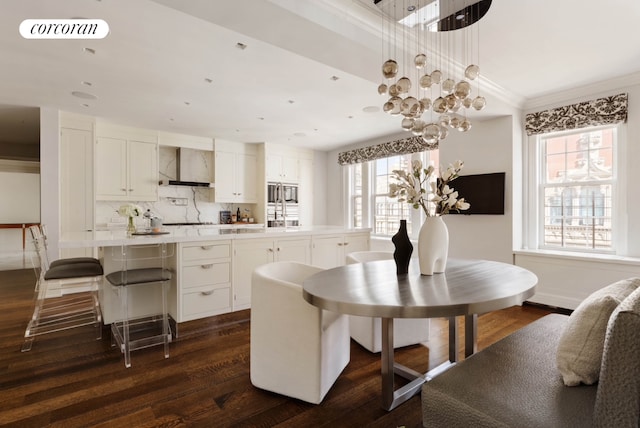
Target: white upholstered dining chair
column 297, row 349
column 367, row 331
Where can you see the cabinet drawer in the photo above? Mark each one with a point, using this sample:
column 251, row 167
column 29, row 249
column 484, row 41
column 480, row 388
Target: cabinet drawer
column 206, row 300
column 206, row 251
column 205, row 274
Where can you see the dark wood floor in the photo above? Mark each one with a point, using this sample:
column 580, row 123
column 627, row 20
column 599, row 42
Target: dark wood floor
column 72, row 380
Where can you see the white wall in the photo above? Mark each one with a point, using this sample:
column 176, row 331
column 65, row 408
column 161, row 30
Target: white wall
column 487, row 147
column 20, row 204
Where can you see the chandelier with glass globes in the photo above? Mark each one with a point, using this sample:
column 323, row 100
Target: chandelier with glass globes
column 435, row 102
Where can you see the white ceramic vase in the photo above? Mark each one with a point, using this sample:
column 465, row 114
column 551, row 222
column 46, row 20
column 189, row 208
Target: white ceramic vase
column 433, row 246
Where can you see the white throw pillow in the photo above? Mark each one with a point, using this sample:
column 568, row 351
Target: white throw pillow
column 580, row 348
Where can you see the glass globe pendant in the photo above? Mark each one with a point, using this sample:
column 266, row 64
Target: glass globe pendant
column 403, row 85
column 407, row 124
column 408, row 104
column 420, row 61
column 462, row 89
column 425, row 81
column 439, row 105
column 389, row 69
column 478, row 103
column 472, row 72
column 448, row 85
column 418, row 127
column 436, row 76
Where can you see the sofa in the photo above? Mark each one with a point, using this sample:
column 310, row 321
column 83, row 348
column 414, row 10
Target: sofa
column 520, row 381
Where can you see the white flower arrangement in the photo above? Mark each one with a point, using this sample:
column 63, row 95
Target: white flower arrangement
column 130, row 210
column 412, row 188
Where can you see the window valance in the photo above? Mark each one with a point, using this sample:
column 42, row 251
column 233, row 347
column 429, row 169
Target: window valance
column 392, row 148
column 602, row 111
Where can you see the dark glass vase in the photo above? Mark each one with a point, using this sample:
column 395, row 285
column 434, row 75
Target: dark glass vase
column 404, row 248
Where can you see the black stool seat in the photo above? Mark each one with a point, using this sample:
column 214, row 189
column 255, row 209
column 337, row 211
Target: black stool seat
column 138, row 276
column 73, row 260
column 75, row 270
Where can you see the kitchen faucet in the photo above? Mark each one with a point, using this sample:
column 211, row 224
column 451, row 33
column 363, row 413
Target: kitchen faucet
column 280, row 199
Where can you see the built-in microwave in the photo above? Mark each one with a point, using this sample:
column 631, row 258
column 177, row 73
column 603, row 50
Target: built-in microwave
column 278, row 192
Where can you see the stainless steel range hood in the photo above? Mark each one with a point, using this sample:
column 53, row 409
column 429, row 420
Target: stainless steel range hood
column 193, row 168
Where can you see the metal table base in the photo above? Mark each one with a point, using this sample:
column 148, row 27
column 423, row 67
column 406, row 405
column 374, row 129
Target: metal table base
column 391, row 397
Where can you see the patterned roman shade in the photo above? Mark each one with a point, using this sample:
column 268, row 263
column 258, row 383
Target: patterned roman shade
column 385, row 150
column 602, row 111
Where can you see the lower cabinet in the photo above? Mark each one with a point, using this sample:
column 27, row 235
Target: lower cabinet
column 215, row 276
column 329, row 251
column 205, row 280
column 251, row 253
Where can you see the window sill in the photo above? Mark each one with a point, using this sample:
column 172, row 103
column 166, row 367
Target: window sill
column 608, row 258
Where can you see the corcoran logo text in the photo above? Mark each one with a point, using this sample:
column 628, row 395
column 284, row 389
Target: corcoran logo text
column 64, row 29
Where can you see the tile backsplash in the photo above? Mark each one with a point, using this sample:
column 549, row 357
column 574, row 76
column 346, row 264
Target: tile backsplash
column 176, row 204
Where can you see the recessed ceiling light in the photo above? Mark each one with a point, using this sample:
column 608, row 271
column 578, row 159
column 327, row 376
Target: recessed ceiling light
column 208, row 80
column 241, row 46
column 334, row 78
column 291, row 101
column 350, row 117
column 371, row 109
column 89, row 51
column 85, row 105
column 171, row 119
column 84, row 95
column 261, row 118
column 187, row 103
column 84, row 82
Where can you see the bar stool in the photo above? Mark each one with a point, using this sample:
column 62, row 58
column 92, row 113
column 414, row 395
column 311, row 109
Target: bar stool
column 66, row 296
column 136, row 332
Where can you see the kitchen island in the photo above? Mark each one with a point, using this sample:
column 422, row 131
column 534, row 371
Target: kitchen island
column 212, row 265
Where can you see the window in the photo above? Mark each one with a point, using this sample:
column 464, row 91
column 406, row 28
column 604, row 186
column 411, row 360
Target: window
column 367, row 194
column 356, row 195
column 576, row 189
column 388, row 211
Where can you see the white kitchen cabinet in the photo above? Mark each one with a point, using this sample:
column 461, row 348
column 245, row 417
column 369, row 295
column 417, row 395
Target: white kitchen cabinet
column 236, row 173
column 282, row 167
column 126, row 170
column 251, row 253
column 76, row 185
column 204, row 286
column 329, row 251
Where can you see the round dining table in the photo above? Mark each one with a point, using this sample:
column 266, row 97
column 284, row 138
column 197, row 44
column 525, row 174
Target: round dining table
column 466, row 288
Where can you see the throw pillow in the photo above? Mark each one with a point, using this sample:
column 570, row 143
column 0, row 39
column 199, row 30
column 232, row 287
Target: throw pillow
column 580, row 348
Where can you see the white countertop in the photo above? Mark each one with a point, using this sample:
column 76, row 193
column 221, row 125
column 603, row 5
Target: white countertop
column 117, row 237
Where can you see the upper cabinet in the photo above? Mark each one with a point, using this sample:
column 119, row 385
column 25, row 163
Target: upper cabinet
column 285, row 163
column 126, row 165
column 236, row 172
column 282, row 167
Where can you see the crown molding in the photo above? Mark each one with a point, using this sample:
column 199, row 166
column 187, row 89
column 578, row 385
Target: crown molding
column 620, row 83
